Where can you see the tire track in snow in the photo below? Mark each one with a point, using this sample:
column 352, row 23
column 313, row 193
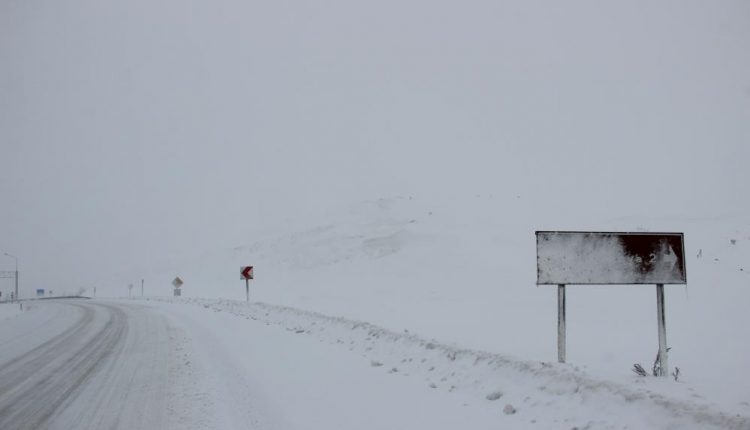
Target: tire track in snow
column 110, row 368
column 49, row 375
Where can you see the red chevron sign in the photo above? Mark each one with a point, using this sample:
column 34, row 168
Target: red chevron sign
column 246, row 272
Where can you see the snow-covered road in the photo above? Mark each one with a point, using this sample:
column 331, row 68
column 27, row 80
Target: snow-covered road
column 84, row 365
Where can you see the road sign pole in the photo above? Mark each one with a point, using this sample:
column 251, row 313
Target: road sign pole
column 246, row 273
column 663, row 363
column 17, row 284
column 561, row 323
column 141, row 287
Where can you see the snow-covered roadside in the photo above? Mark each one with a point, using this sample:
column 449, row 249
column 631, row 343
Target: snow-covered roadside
column 256, row 376
column 9, row 310
column 289, row 366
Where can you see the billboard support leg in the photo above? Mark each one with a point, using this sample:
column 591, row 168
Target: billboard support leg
column 663, row 364
column 561, row 323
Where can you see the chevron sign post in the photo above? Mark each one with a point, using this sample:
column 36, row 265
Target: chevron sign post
column 177, row 282
column 246, row 273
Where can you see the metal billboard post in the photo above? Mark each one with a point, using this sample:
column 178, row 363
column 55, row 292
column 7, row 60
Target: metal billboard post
column 663, row 363
column 561, row 323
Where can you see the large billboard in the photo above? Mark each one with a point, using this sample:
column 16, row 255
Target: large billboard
column 601, row 258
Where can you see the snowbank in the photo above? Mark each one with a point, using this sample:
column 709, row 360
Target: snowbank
column 554, row 391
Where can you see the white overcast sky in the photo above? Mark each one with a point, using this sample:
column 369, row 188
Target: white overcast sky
column 133, row 130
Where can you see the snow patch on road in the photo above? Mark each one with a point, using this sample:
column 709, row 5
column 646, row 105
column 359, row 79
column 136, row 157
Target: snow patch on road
column 188, row 406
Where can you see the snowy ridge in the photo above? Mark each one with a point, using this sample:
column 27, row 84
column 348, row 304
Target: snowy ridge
column 486, row 376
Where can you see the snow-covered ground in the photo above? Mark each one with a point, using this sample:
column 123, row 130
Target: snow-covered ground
column 402, row 313
column 267, row 366
column 461, row 277
column 185, row 363
column 9, row 310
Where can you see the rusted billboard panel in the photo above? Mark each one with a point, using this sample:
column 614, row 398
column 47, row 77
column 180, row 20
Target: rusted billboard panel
column 600, row 258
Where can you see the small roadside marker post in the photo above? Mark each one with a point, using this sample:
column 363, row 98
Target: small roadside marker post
column 246, row 273
column 130, row 289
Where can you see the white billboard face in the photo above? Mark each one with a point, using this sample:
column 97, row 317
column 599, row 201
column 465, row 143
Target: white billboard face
column 601, row 258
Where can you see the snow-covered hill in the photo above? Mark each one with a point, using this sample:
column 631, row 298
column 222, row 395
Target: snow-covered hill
column 463, row 272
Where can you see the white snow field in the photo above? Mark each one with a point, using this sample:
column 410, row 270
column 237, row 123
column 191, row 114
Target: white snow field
column 398, row 313
column 225, row 364
column 402, row 313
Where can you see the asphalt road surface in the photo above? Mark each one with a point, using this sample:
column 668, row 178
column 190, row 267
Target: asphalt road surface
column 83, row 364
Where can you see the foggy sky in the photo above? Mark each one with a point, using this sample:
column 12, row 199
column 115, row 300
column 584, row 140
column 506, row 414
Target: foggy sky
column 137, row 130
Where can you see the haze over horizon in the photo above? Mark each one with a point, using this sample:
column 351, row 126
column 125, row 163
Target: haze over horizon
column 136, row 131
